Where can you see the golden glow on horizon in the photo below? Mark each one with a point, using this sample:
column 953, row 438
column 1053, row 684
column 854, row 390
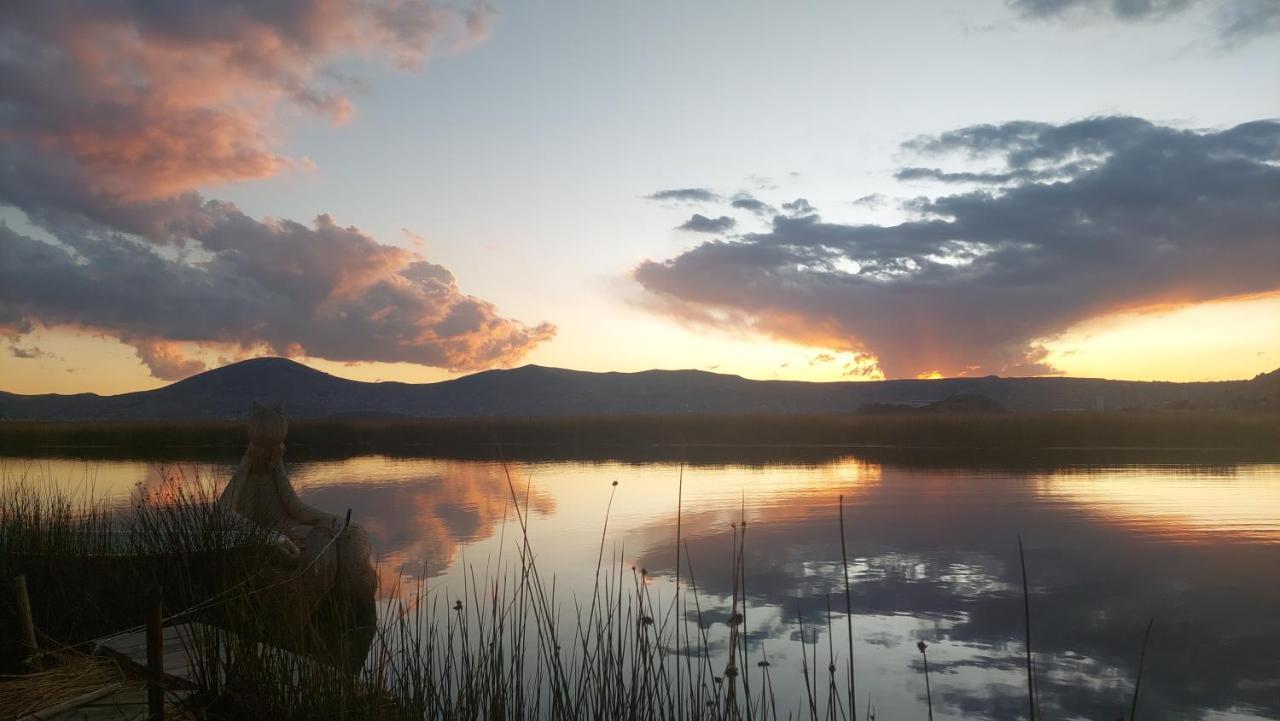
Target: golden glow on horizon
column 931, row 375
column 1223, row 340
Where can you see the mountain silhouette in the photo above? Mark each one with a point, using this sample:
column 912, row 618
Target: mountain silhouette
column 225, row 393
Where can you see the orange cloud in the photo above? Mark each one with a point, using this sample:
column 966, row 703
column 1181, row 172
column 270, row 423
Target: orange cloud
column 148, row 101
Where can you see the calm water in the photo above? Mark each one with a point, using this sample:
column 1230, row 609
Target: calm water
column 933, row 551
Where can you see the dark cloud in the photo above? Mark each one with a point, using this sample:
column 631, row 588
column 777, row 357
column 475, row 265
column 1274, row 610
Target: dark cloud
column 1126, row 9
column 1138, row 214
column 1237, row 21
column 686, row 195
column 699, row 223
column 873, row 200
column 799, row 208
column 114, row 113
column 743, row 201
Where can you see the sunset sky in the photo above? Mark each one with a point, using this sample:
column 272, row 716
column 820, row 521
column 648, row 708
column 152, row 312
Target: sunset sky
column 400, row 190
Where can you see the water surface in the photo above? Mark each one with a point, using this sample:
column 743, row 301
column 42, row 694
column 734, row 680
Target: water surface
column 933, row 556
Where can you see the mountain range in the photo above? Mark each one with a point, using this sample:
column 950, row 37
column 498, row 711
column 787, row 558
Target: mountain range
column 226, row 393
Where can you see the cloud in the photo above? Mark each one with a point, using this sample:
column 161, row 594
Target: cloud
column 1012, row 176
column 142, row 100
column 321, row 290
column 872, row 200
column 166, row 359
column 699, row 223
column 686, row 195
column 1236, row 21
column 1125, row 9
column 1138, row 215
column 1243, row 20
column 799, row 207
column 26, row 353
column 743, row 201
column 418, row 240
column 115, row 114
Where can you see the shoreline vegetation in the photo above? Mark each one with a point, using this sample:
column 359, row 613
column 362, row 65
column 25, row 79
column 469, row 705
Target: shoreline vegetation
column 666, row 436
column 506, row 647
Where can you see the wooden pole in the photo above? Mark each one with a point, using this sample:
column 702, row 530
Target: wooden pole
column 27, row 623
column 155, row 655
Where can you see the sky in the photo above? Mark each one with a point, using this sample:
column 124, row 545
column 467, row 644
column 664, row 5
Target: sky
column 403, row 190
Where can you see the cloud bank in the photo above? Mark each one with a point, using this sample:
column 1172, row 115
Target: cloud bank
column 112, row 114
column 1080, row 219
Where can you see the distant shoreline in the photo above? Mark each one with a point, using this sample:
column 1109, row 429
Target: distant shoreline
column 665, row 436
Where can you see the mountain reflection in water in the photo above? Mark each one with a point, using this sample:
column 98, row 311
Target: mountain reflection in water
column 933, row 553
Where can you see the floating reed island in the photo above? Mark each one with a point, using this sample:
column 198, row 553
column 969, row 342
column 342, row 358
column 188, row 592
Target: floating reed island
column 249, row 604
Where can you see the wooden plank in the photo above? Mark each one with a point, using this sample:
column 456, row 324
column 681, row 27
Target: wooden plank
column 126, row 704
column 134, row 647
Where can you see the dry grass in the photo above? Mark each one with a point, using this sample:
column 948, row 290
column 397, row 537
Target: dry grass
column 65, row 676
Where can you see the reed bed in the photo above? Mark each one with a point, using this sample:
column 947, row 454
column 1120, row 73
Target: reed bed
column 476, row 437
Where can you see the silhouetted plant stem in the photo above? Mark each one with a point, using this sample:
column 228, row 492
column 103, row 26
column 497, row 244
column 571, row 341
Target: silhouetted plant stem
column 832, row 697
column 1137, row 683
column 1026, row 614
column 804, row 665
column 928, row 693
column 742, row 590
column 848, row 610
column 679, row 614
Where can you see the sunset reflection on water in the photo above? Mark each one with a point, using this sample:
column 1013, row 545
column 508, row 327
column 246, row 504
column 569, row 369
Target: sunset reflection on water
column 933, row 555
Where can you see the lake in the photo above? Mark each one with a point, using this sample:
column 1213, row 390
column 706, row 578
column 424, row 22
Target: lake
column 933, row 556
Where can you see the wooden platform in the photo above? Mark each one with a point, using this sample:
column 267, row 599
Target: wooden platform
column 132, row 647
column 126, row 698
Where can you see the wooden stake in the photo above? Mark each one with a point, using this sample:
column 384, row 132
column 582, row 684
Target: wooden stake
column 155, row 655
column 28, row 624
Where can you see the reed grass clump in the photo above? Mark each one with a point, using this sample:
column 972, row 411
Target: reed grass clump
column 87, row 559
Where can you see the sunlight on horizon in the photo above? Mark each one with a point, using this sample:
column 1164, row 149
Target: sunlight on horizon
column 1224, row 340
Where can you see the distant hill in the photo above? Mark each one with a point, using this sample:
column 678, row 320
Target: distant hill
column 225, row 393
